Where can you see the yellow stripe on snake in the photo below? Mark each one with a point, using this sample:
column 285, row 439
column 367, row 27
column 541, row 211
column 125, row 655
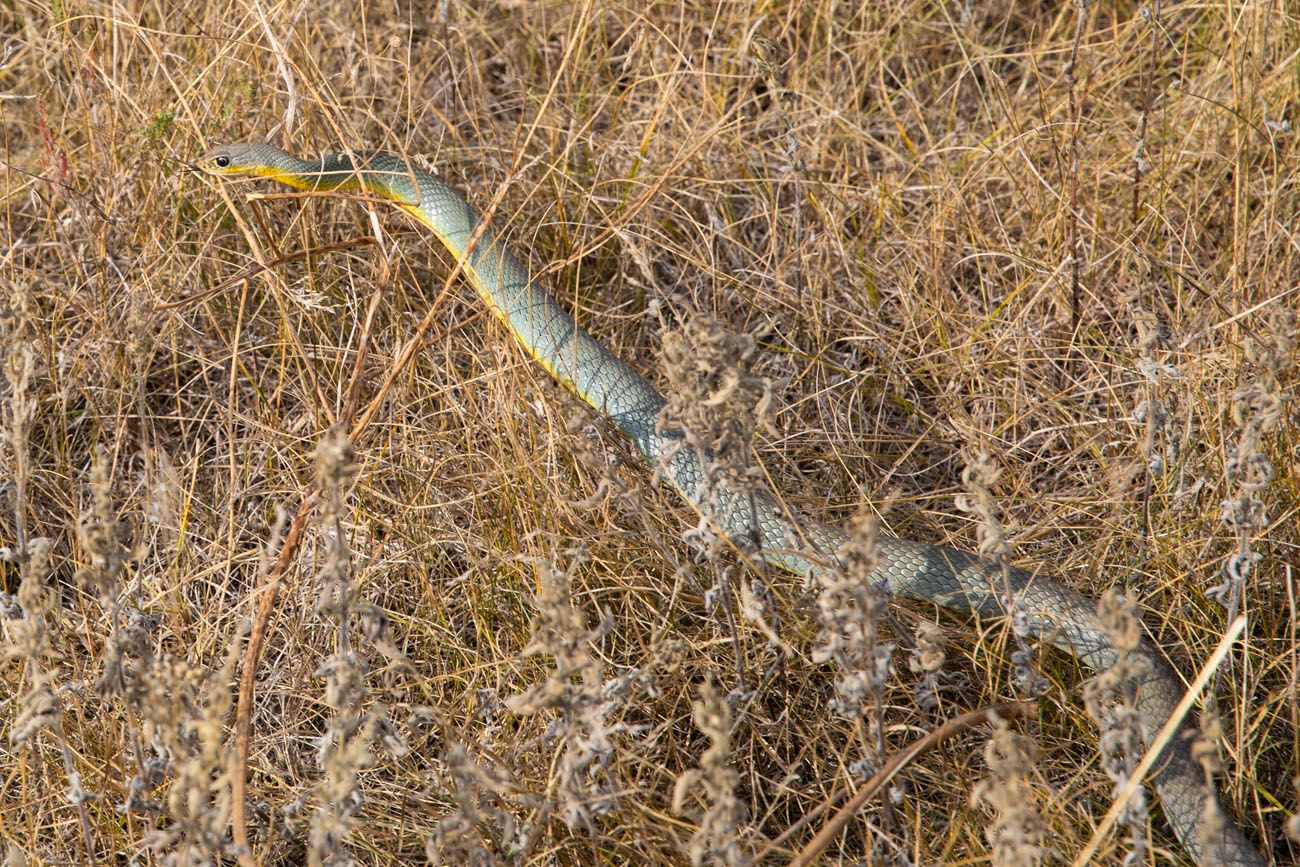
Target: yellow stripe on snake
column 958, row 581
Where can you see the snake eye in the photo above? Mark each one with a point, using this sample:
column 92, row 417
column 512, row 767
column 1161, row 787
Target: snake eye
column 222, row 162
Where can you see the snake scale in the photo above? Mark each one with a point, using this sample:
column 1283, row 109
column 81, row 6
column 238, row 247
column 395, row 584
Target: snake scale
column 958, row 581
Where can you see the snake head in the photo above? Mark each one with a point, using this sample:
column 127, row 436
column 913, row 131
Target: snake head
column 229, row 159
column 248, row 158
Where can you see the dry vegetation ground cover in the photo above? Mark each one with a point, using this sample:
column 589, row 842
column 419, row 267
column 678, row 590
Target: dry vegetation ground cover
column 1060, row 234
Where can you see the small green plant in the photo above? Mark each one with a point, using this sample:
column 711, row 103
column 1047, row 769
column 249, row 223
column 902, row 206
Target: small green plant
column 159, row 127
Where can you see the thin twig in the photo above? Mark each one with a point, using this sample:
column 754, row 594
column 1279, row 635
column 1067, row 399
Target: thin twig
column 895, row 763
column 264, row 266
column 1073, row 243
column 282, row 64
column 1153, row 16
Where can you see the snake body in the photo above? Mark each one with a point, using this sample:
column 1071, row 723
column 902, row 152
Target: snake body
column 956, row 580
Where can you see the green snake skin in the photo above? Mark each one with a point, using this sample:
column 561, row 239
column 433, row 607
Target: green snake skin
column 958, row 581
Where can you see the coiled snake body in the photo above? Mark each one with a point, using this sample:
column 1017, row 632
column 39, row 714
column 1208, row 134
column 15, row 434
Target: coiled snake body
column 946, row 576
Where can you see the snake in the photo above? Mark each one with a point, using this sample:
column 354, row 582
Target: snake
column 967, row 584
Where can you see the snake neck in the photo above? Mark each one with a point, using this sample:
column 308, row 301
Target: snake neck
column 334, row 171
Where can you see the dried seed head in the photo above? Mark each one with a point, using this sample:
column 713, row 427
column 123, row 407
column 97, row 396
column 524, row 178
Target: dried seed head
column 336, row 461
column 979, row 476
column 574, row 691
column 1016, row 835
column 930, row 648
column 717, row 838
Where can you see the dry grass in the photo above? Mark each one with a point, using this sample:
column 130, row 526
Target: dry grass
column 946, row 239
